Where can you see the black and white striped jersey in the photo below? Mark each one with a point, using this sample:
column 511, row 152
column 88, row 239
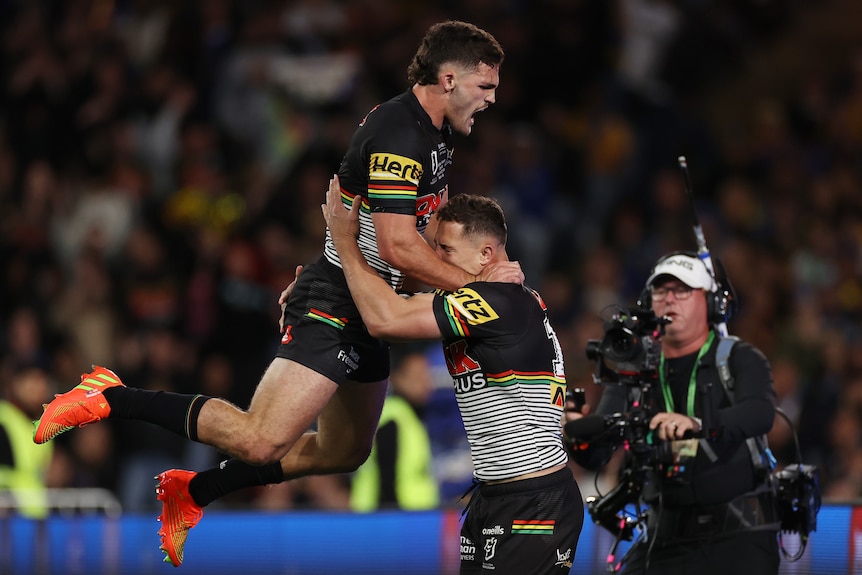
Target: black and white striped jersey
column 507, row 369
column 399, row 163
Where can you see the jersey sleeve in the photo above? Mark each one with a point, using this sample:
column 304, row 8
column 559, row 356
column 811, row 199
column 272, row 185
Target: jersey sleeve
column 480, row 309
column 394, row 152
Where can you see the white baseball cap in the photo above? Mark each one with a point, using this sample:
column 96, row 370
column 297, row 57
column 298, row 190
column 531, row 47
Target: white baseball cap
column 690, row 270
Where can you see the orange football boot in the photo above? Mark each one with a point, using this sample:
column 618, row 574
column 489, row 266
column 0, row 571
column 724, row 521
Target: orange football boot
column 83, row 405
column 179, row 513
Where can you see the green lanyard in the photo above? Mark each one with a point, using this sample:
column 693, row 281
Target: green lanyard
column 665, row 388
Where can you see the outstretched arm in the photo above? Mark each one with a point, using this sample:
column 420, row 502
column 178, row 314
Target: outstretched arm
column 386, row 314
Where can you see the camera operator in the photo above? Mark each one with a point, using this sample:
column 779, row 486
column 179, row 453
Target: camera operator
column 715, row 515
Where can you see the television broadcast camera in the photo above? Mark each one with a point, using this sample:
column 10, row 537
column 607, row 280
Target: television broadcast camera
column 629, row 350
column 628, row 356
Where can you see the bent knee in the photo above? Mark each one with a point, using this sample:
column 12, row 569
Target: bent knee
column 261, row 452
column 343, row 459
column 352, row 459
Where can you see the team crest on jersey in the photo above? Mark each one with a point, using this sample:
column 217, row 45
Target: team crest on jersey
column 558, row 395
column 472, row 307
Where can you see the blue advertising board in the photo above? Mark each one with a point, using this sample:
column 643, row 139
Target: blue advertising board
column 318, row 543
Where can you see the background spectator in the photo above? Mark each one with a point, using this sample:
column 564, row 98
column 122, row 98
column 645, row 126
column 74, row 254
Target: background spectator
column 162, row 163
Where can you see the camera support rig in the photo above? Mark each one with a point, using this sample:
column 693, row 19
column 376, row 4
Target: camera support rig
column 628, row 355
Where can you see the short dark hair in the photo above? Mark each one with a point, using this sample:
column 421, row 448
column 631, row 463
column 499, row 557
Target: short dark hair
column 479, row 215
column 452, row 41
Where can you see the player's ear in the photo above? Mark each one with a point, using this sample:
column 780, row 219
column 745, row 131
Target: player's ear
column 488, row 254
column 447, row 79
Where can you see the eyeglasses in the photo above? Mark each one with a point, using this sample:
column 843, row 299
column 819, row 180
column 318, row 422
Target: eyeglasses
column 680, row 291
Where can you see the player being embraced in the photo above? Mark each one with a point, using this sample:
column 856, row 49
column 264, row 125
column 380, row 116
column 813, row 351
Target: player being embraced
column 507, row 368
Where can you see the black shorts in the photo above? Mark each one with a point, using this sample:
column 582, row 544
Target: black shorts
column 324, row 332
column 523, row 527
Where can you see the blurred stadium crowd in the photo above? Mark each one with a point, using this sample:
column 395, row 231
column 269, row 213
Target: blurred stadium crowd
column 162, row 164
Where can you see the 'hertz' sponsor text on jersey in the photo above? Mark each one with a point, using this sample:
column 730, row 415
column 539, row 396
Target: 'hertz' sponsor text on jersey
column 399, row 162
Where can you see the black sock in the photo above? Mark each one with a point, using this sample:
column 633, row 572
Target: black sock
column 232, row 475
column 177, row 412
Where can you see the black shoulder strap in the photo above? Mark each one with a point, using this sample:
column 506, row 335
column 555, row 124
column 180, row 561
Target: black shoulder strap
column 722, row 361
column 761, row 456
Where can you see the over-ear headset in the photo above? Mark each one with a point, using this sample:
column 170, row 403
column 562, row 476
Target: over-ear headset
column 721, row 304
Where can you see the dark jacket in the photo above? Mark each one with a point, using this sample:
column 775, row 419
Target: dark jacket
column 750, row 414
